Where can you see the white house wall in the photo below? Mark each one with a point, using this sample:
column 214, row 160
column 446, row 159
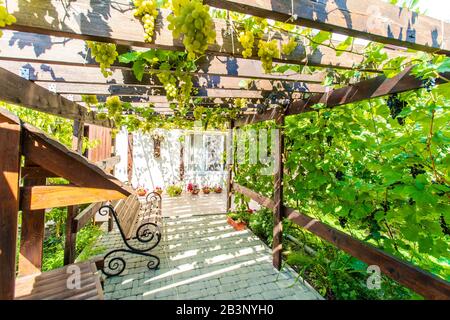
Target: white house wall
column 150, row 172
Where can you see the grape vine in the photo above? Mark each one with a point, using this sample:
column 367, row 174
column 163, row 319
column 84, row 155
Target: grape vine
column 6, row 18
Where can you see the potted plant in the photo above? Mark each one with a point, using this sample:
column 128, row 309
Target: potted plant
column 192, row 188
column 238, row 220
column 206, row 190
column 141, row 191
column 218, row 189
column 158, row 190
column 174, row 190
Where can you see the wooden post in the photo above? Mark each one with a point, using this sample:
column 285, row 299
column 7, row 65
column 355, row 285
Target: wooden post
column 278, row 193
column 72, row 211
column 32, row 233
column 130, row 158
column 10, row 141
column 230, row 165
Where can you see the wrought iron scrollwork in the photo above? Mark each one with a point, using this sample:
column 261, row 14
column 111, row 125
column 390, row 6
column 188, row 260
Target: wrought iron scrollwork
column 148, row 233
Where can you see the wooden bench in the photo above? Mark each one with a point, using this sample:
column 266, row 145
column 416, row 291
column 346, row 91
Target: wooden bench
column 138, row 222
column 53, row 285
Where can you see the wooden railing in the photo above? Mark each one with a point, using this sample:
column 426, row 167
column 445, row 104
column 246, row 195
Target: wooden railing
column 418, row 280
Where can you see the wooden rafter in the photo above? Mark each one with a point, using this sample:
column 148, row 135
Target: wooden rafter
column 42, row 73
column 50, row 50
column 17, row 90
column 113, row 21
column 370, row 19
column 367, row 89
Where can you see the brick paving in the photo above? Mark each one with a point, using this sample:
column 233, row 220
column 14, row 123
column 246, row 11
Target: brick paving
column 202, row 257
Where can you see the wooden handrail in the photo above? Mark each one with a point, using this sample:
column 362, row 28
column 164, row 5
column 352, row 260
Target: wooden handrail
column 418, row 280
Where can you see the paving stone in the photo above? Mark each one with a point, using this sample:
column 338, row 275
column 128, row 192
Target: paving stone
column 196, row 242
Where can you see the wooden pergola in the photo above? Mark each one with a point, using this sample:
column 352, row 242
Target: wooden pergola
column 45, row 66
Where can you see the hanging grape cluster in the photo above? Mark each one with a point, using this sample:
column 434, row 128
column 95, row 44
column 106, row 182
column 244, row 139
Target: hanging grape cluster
column 169, row 82
column 396, row 106
column 147, row 11
column 198, row 112
column 105, row 54
column 191, row 19
column 267, row 51
column 289, row 47
column 6, row 19
column 241, row 103
column 247, row 39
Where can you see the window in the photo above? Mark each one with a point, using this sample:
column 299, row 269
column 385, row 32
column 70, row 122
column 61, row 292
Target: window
column 204, row 152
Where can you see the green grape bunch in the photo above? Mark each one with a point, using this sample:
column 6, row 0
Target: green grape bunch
column 241, row 103
column 105, row 54
column 289, row 47
column 191, row 19
column 6, row 19
column 247, row 40
column 169, row 82
column 114, row 106
column 198, row 112
column 147, row 11
column 267, row 51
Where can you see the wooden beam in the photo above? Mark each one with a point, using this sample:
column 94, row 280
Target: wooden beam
column 254, row 118
column 130, row 158
column 71, row 237
column 84, row 216
column 10, row 142
column 113, row 21
column 367, row 89
column 262, row 200
column 230, row 164
column 420, row 281
column 277, row 244
column 45, row 74
column 50, row 50
column 371, row 19
column 17, row 90
column 32, row 234
column 65, row 163
column 43, row 197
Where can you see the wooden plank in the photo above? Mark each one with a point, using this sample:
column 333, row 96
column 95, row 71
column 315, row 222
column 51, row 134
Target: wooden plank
column 254, row 118
column 277, row 244
column 72, row 211
column 130, row 158
column 44, row 74
column 32, row 235
column 139, row 90
column 113, row 21
column 371, row 19
column 420, row 281
column 367, row 89
column 17, row 90
column 42, row 197
column 34, row 48
column 84, row 216
column 58, row 159
column 103, row 149
column 230, row 165
column 10, row 138
column 264, row 201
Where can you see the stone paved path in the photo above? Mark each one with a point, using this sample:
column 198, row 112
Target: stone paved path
column 202, row 257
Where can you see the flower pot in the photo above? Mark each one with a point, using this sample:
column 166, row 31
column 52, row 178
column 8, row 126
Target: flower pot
column 238, row 226
column 195, row 192
column 218, row 190
column 206, row 191
column 141, row 192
